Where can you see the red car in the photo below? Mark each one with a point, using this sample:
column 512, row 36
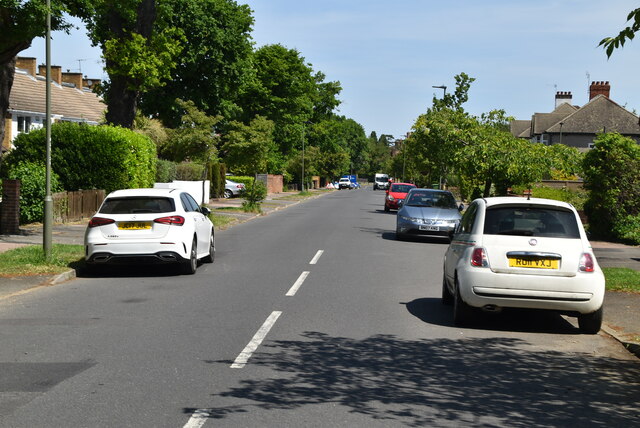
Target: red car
column 396, row 192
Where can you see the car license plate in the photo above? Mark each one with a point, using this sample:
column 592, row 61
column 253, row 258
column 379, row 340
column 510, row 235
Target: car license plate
column 134, row 225
column 534, row 263
column 430, row 228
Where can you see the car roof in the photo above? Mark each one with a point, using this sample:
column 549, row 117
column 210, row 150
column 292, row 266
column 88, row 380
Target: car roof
column 406, row 184
column 143, row 192
column 424, row 189
column 514, row 200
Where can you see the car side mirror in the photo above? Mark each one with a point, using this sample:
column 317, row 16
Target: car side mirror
column 206, row 211
column 400, row 202
column 461, row 207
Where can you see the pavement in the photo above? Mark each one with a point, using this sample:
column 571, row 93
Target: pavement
column 621, row 310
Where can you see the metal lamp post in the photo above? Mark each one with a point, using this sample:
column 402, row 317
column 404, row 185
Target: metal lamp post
column 48, row 200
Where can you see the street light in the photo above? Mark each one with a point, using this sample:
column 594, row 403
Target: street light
column 444, row 88
column 47, row 220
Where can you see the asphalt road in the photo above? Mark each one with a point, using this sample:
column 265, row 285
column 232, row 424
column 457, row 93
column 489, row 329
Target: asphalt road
column 313, row 316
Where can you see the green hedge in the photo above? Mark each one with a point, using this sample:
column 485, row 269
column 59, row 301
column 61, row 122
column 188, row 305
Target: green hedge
column 247, row 181
column 33, row 181
column 90, row 157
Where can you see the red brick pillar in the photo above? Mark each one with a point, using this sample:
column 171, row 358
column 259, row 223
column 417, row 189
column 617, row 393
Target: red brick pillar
column 10, row 212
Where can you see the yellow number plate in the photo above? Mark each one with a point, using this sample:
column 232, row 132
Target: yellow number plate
column 534, row 263
column 134, row 225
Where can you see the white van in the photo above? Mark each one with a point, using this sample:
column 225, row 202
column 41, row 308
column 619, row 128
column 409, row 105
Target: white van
column 381, row 181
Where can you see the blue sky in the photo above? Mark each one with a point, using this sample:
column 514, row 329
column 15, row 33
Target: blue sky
column 388, row 54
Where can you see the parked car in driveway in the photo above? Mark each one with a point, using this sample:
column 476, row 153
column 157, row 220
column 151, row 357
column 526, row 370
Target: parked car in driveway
column 231, row 188
column 523, row 253
column 345, row 183
column 428, row 212
column 150, row 226
column 395, row 194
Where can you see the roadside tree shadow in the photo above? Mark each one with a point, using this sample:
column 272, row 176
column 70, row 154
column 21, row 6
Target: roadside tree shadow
column 439, row 382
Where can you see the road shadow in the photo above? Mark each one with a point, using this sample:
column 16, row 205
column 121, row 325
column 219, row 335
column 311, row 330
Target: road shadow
column 432, row 311
column 127, row 271
column 494, row 381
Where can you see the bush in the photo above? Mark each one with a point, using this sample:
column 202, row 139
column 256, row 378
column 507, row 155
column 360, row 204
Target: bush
column 166, row 171
column 575, row 198
column 32, row 178
column 189, row 171
column 254, row 194
column 612, row 175
column 90, row 157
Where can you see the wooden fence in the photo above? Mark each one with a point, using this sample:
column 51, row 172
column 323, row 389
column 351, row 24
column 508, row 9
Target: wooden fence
column 76, row 206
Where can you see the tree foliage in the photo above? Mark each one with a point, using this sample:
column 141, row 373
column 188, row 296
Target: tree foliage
column 612, row 175
column 195, row 138
column 32, row 176
column 215, row 61
column 247, row 147
column 612, row 43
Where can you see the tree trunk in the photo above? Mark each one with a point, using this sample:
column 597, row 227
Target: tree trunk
column 7, row 71
column 122, row 102
column 487, row 189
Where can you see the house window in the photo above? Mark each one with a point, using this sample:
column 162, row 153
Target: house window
column 24, row 124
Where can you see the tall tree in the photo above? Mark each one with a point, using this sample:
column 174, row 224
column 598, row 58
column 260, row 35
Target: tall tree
column 214, row 62
column 20, row 23
column 139, row 48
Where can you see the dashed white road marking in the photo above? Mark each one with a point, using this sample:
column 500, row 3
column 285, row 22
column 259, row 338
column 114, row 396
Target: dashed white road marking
column 315, row 258
column 243, row 357
column 294, row 288
column 198, row 419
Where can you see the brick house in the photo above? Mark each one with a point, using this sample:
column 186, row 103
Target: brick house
column 578, row 126
column 72, row 99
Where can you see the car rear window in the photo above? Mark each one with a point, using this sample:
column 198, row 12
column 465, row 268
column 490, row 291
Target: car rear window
column 137, row 205
column 401, row 188
column 531, row 221
column 432, row 199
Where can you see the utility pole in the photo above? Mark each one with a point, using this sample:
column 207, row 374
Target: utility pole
column 48, row 200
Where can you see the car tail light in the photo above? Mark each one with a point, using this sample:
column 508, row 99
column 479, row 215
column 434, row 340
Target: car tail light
column 174, row 219
column 586, row 263
column 479, row 258
column 100, row 221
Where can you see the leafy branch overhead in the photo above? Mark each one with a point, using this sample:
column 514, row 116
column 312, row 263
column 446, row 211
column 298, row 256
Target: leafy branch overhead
column 612, row 43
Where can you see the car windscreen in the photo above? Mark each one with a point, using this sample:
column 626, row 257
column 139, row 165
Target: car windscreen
column 531, row 221
column 137, row 205
column 401, row 188
column 432, row 199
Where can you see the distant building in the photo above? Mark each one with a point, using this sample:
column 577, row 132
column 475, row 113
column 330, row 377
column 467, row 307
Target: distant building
column 578, row 126
column 72, row 99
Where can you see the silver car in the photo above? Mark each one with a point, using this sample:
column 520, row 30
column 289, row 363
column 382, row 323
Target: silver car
column 428, row 212
column 231, row 188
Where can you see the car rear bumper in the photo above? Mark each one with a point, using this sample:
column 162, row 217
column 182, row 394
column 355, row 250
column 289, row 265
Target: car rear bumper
column 582, row 293
column 127, row 253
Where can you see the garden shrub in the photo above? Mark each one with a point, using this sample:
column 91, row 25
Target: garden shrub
column 247, row 181
column 253, row 195
column 32, row 178
column 189, row 171
column 166, row 171
column 90, row 157
column 612, row 175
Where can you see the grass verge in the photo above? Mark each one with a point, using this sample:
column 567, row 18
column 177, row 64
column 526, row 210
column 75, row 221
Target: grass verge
column 221, row 222
column 30, row 260
column 622, row 279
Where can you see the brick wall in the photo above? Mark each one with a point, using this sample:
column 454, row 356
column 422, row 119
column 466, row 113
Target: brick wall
column 10, row 210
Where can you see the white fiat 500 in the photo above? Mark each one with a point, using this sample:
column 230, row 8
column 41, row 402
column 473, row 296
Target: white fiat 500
column 150, row 226
column 523, row 253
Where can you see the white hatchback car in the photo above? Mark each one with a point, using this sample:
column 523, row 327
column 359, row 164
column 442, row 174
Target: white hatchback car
column 523, row 253
column 150, row 226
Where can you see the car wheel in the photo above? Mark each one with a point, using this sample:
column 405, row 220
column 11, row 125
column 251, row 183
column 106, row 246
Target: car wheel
column 212, row 250
column 227, row 193
column 386, row 209
column 189, row 267
column 447, row 297
column 462, row 312
column 590, row 323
